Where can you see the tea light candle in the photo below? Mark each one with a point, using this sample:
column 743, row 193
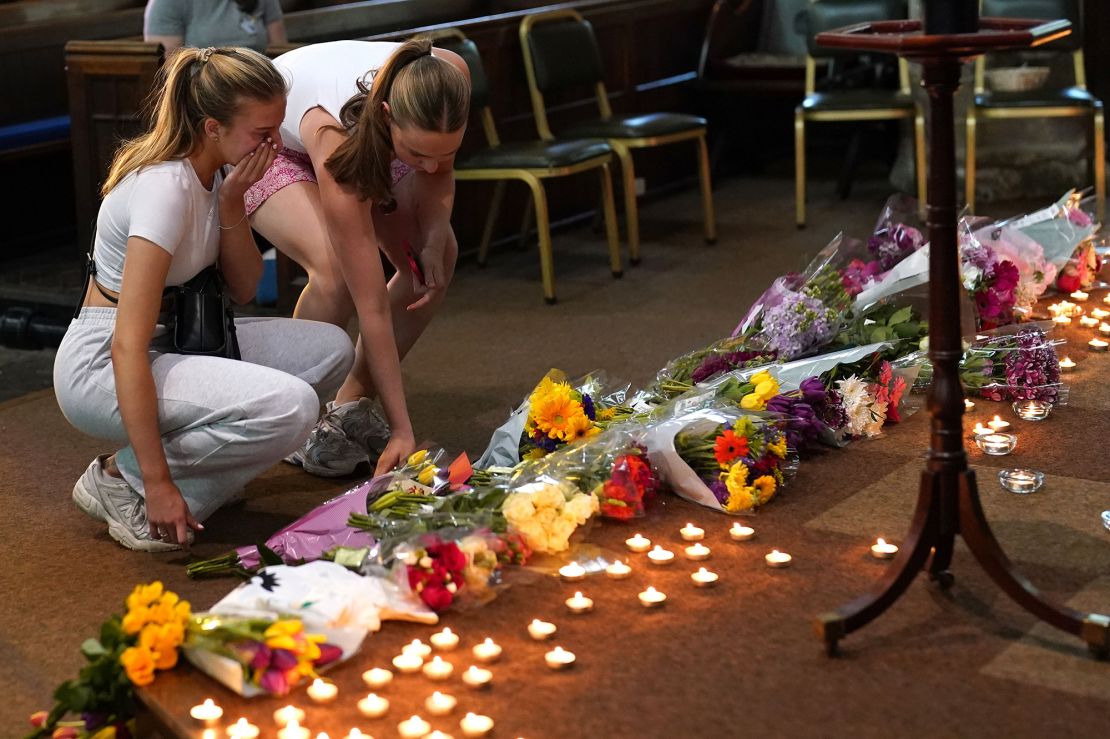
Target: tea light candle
column 474, row 724
column 354, row 733
column 1088, row 322
column 1099, row 313
column 408, row 662
column 997, row 424
column 1061, row 320
column 373, row 706
column 703, row 578
column 652, row 598
column 1104, row 328
column 778, row 559
column 996, row 445
column 1079, row 296
column 690, row 532
column 1021, row 482
column 1067, row 364
column 487, row 651
column 540, row 630
column 417, row 647
column 322, row 691
column 293, row 730
column 440, row 704
column 437, row 734
column 476, row 677
column 618, row 570
column 697, row 552
column 638, row 543
column 980, row 429
column 445, row 640
column 1097, row 345
column 559, row 658
column 287, row 715
column 579, row 603
column 661, row 556
column 1032, row 410
column 882, row 549
column 1106, row 300
column 438, row 669
column 207, row 712
column 968, row 405
column 242, row 729
column 413, row 727
column 741, row 533
column 377, row 678
column 572, row 572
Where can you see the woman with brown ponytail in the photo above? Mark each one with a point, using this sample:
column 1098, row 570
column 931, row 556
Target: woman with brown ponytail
column 371, row 130
column 197, row 428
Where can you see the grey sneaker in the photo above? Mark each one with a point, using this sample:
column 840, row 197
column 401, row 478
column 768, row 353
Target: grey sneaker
column 346, row 437
column 120, row 506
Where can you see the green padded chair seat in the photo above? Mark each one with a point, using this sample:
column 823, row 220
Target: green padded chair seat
column 636, row 126
column 535, row 154
column 856, row 100
column 1068, row 96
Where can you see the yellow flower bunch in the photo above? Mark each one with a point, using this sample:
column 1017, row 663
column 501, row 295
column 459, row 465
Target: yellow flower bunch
column 159, row 618
column 741, row 496
column 557, row 412
column 765, row 387
column 289, row 634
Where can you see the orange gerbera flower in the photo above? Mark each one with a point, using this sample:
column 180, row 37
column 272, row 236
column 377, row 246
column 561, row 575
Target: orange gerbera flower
column 729, row 447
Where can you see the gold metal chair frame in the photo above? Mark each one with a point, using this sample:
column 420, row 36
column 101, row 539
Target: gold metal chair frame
column 974, row 113
column 860, row 114
column 533, row 177
column 622, row 147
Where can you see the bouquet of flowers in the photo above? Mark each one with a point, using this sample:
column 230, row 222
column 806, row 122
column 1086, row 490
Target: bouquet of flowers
column 1081, row 271
column 129, row 651
column 1014, row 364
column 546, row 512
column 993, row 282
column 556, row 413
column 611, row 466
column 812, row 413
column 1009, row 244
column 269, row 656
column 740, row 462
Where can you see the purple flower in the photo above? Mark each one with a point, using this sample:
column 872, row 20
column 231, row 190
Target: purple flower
column 894, row 242
column 588, row 407
column 274, row 682
column 797, row 325
column 717, row 364
column 94, row 719
column 258, row 654
column 720, row 491
column 283, row 660
column 328, row 653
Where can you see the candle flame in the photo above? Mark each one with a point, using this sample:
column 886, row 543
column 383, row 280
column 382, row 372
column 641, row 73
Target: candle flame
column 882, row 542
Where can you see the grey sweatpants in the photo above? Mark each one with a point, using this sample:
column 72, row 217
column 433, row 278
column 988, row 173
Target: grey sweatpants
column 223, row 422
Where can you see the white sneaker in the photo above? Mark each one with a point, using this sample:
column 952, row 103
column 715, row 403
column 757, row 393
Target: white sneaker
column 347, row 436
column 120, row 506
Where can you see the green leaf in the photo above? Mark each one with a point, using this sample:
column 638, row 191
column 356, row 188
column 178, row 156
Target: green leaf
column 268, row 556
column 901, row 316
column 92, row 649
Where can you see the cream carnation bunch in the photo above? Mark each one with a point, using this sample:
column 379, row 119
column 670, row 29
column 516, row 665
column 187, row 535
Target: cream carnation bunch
column 546, row 513
column 866, row 413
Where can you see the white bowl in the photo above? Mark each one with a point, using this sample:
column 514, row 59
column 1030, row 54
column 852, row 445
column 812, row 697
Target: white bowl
column 1017, row 79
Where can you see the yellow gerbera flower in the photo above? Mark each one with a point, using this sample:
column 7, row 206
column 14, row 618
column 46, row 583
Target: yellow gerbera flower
column 558, row 415
column 764, row 488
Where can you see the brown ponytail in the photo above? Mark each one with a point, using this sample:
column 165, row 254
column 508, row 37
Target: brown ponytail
column 423, row 91
column 194, row 84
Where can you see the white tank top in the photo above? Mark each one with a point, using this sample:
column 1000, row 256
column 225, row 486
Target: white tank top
column 325, row 76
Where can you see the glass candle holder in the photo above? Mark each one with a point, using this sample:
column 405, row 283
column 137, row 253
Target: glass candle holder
column 1106, row 519
column 1032, row 410
column 996, row 445
column 1021, row 482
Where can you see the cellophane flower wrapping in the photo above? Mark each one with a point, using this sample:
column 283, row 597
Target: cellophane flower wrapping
column 612, row 466
column 1014, row 363
column 557, row 412
column 547, row 511
column 721, row 457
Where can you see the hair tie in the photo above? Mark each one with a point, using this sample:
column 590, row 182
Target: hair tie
column 205, row 54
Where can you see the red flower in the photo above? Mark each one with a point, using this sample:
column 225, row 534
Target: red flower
column 437, row 597
column 730, row 447
column 617, row 511
column 449, row 555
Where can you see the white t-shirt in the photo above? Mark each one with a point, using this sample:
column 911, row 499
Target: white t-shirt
column 166, row 204
column 325, row 76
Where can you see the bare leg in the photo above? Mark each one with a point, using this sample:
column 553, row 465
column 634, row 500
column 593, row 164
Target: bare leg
column 292, row 220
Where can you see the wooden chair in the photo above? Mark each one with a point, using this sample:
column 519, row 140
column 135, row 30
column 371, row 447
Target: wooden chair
column 561, row 52
column 860, row 104
column 1066, row 102
column 530, row 162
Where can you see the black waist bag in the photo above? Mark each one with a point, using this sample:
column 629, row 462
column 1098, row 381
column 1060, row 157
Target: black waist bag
column 202, row 319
